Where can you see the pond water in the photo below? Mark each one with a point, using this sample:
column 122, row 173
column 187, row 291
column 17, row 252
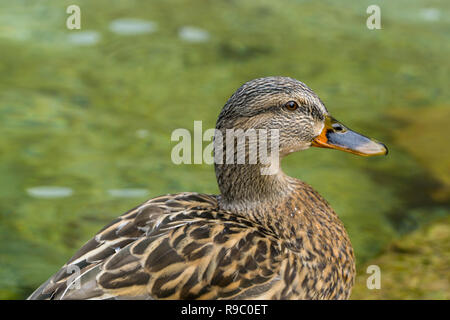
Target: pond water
column 86, row 116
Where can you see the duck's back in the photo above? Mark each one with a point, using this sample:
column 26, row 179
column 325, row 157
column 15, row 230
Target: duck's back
column 175, row 247
column 183, row 246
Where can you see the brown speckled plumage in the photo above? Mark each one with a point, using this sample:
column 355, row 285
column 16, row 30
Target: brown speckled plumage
column 263, row 237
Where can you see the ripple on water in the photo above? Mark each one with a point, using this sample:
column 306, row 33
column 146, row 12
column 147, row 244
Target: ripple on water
column 132, row 26
column 193, row 34
column 84, row 38
column 430, row 14
column 142, row 133
column 128, row 193
column 49, row 192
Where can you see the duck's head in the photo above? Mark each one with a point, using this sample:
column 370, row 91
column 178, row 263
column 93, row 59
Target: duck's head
column 297, row 112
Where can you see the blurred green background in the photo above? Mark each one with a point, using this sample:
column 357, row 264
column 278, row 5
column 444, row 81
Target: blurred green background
column 86, row 118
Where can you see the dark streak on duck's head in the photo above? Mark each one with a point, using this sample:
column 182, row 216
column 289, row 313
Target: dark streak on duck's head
column 297, row 112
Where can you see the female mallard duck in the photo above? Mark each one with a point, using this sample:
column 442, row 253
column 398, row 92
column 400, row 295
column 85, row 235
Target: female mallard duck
column 266, row 236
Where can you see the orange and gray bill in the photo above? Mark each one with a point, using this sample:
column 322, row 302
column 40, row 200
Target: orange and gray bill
column 336, row 136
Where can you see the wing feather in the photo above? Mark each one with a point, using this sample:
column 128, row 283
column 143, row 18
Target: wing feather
column 173, row 247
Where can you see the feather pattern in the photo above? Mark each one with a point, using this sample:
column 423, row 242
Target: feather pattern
column 183, row 246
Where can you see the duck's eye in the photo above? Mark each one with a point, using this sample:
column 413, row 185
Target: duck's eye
column 291, row 105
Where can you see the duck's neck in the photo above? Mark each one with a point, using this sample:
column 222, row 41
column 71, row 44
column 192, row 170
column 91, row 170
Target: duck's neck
column 245, row 189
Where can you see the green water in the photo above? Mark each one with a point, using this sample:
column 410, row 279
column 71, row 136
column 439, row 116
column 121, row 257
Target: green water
column 95, row 118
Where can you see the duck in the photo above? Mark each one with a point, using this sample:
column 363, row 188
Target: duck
column 265, row 236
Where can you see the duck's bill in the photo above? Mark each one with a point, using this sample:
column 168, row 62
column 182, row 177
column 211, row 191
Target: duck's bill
column 336, row 136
